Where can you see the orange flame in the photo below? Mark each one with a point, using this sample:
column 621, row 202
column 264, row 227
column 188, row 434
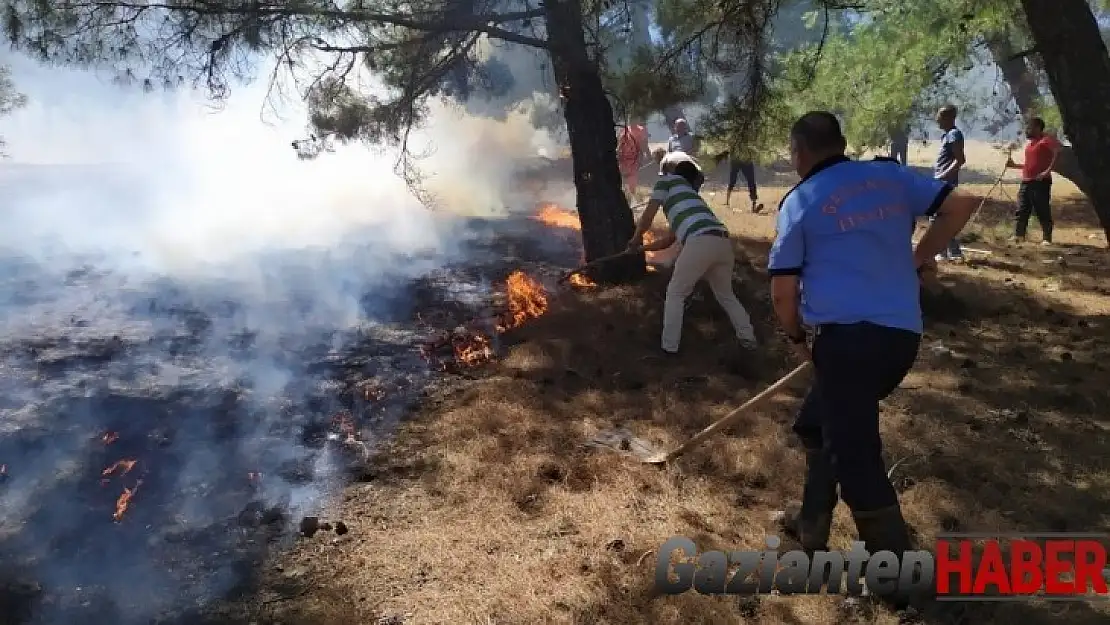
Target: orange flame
column 527, row 300
column 662, row 256
column 124, row 501
column 553, row 215
column 649, row 238
column 472, row 350
column 581, row 281
column 123, row 466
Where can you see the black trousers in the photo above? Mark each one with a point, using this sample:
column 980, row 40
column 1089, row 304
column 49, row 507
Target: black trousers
column 856, row 365
column 1034, row 198
column 747, row 168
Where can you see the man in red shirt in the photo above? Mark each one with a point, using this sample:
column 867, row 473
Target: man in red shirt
column 1035, row 193
column 632, row 147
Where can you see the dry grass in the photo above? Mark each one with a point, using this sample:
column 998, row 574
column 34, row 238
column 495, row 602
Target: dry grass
column 487, row 508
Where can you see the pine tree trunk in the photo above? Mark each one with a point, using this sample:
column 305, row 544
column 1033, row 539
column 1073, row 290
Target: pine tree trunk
column 1075, row 58
column 672, row 114
column 1022, row 81
column 607, row 221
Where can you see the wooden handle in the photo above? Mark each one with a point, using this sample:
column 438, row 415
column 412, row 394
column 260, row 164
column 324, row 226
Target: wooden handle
column 749, row 405
column 596, row 261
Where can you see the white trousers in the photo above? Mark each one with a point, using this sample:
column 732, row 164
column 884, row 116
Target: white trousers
column 710, row 258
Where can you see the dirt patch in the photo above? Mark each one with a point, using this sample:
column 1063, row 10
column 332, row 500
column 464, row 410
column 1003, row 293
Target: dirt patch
column 488, row 508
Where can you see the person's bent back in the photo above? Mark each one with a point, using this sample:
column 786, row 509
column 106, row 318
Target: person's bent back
column 858, row 262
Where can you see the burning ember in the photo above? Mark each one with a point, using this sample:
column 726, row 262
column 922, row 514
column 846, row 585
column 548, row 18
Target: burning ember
column 527, row 300
column 472, row 349
column 663, row 256
column 124, row 501
column 468, row 348
column 649, row 238
column 580, row 281
column 552, row 215
column 123, row 466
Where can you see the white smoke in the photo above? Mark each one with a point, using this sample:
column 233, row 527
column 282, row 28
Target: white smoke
column 198, row 249
column 206, row 187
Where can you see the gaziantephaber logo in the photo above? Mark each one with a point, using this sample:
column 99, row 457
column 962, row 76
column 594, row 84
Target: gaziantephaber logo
column 963, row 567
column 990, row 567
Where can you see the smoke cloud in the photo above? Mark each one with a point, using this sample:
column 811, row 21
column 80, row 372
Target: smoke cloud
column 173, row 280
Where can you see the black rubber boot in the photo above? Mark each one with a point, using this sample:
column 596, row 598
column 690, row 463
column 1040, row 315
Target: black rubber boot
column 812, row 523
column 885, row 530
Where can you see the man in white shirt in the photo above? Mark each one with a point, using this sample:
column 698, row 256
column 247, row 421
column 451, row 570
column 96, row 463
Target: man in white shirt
column 682, row 140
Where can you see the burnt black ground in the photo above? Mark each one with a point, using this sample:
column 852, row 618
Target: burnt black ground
column 204, row 388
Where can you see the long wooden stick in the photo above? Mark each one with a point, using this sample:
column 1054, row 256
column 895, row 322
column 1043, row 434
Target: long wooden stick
column 994, row 186
column 594, row 263
column 731, row 417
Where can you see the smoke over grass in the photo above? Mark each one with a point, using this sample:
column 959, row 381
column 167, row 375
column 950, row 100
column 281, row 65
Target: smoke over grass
column 179, row 292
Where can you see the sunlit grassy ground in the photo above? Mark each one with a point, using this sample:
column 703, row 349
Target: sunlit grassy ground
column 487, row 508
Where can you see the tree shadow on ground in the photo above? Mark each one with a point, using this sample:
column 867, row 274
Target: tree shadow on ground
column 1003, row 424
column 1069, row 209
column 493, row 476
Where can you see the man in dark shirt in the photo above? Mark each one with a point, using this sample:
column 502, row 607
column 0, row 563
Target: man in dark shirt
column 950, row 159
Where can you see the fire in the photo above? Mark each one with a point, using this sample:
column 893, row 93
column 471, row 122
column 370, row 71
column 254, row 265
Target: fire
column 109, row 438
column 662, row 256
column 472, row 349
column 581, row 281
column 527, row 300
column 123, row 466
column 649, row 238
column 552, row 215
column 124, row 501
column 469, row 347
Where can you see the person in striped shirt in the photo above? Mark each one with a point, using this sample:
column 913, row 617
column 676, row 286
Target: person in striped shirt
column 668, row 160
column 706, row 252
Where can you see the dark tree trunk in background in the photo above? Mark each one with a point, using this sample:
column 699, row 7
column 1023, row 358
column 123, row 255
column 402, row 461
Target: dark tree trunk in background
column 1067, row 36
column 672, row 113
column 1022, row 81
column 607, row 222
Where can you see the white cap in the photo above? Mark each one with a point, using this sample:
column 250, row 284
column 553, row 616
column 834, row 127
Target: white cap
column 674, row 158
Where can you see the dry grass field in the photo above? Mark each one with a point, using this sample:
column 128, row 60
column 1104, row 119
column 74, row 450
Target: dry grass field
column 487, row 507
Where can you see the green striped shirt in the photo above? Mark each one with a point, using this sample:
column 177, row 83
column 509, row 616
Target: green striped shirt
column 686, row 212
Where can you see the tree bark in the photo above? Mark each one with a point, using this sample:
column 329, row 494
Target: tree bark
column 607, row 221
column 1078, row 67
column 1022, row 81
column 673, row 113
